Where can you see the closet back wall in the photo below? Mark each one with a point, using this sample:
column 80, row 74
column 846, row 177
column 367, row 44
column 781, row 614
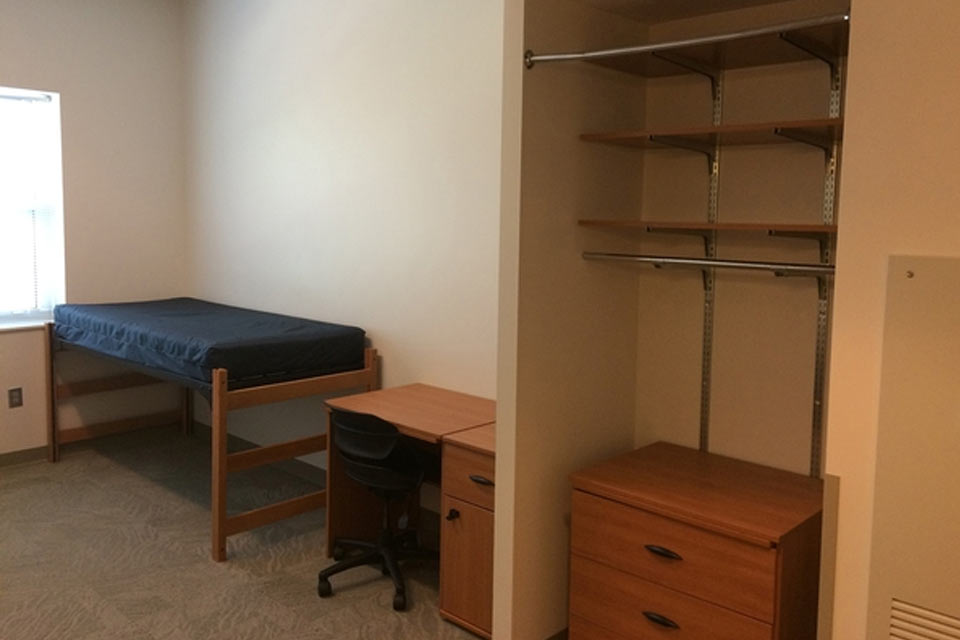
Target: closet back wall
column 344, row 165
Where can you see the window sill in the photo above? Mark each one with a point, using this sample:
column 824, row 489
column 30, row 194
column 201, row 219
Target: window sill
column 9, row 324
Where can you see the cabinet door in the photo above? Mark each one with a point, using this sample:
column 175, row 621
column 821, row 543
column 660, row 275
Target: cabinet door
column 466, row 563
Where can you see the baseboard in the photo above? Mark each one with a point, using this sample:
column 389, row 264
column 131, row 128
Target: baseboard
column 22, row 457
column 303, row 470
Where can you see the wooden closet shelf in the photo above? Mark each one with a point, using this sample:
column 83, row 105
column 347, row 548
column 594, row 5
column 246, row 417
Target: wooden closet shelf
column 766, row 227
column 822, row 132
column 818, row 38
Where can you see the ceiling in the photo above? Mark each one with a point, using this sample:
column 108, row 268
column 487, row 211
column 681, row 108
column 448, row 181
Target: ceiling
column 651, row 11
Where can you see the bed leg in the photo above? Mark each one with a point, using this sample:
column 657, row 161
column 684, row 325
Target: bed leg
column 218, row 466
column 186, row 411
column 372, row 364
column 53, row 444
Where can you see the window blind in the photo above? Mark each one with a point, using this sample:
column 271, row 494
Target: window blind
column 31, row 220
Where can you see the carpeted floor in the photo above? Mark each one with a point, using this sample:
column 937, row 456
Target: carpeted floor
column 113, row 543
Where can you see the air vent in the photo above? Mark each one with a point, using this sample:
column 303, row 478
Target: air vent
column 911, row 622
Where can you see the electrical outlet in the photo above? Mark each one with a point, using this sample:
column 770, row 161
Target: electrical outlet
column 15, row 397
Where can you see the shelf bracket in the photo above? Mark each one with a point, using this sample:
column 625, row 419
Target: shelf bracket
column 820, row 236
column 713, row 74
column 689, row 64
column 707, row 149
column 824, row 143
column 822, row 52
column 703, row 233
column 813, row 47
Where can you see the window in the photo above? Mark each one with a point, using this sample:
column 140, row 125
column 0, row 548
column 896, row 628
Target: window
column 31, row 204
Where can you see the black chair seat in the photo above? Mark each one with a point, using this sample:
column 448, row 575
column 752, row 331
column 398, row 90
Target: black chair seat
column 374, row 455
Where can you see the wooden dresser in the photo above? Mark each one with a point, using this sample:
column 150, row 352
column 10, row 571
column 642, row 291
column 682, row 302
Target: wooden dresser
column 466, row 532
column 670, row 542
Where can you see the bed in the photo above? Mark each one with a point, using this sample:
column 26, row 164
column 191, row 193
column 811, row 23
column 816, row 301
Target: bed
column 233, row 357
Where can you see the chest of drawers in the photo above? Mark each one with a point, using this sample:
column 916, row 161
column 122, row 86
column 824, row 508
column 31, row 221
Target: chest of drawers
column 669, row 542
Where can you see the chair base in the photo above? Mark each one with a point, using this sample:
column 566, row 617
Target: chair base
column 388, row 551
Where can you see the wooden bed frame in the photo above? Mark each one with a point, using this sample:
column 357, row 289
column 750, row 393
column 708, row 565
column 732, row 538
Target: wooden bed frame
column 222, row 401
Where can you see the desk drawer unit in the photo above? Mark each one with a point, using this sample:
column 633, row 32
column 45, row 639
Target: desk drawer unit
column 468, row 475
column 668, row 542
column 466, row 530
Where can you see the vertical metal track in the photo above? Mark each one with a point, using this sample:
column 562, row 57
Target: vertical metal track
column 823, row 286
column 709, row 275
column 819, row 376
column 709, row 239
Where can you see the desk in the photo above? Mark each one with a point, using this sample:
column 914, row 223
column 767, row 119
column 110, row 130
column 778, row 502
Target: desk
column 464, row 424
column 431, row 415
column 419, row 411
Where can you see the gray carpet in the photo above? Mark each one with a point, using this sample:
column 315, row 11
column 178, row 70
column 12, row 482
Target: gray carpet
column 113, row 543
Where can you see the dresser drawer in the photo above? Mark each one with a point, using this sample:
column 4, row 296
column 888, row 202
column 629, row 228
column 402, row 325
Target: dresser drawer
column 468, row 475
column 713, row 567
column 630, row 607
column 582, row 629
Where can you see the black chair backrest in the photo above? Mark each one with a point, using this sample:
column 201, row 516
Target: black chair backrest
column 361, row 435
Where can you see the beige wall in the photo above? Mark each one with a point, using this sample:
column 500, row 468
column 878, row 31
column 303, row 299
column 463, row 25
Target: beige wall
column 344, row 165
column 575, row 321
column 508, row 304
column 22, row 365
column 118, row 68
column 898, row 196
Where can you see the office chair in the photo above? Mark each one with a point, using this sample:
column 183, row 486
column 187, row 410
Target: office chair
column 374, row 456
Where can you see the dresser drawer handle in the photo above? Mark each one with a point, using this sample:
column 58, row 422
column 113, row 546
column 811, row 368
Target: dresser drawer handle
column 661, row 620
column 663, row 552
column 453, row 514
column 487, row 482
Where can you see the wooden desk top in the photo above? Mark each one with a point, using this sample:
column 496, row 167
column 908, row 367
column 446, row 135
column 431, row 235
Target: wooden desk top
column 480, row 439
column 748, row 501
column 420, row 410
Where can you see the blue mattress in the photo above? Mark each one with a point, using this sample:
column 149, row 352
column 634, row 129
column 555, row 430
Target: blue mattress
column 186, row 339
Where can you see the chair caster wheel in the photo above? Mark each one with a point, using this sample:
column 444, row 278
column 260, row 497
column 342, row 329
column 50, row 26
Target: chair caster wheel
column 338, row 553
column 324, row 590
column 399, row 602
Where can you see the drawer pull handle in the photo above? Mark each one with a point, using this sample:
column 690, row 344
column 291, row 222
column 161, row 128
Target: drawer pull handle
column 487, row 482
column 661, row 620
column 663, row 552
column 453, row 514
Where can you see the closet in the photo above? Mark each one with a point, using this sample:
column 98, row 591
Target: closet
column 709, row 60
column 676, row 234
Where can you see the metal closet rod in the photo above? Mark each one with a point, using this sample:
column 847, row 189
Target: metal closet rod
column 531, row 58
column 702, row 263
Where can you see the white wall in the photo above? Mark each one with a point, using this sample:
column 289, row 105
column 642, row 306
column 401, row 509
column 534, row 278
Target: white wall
column 898, row 195
column 117, row 65
column 344, row 165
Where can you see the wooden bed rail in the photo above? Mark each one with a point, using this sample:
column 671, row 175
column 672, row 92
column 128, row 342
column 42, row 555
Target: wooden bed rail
column 271, row 513
column 222, row 400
